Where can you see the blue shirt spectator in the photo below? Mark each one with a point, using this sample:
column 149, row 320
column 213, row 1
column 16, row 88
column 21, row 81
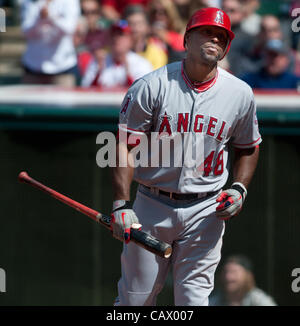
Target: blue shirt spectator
column 275, row 73
column 262, row 79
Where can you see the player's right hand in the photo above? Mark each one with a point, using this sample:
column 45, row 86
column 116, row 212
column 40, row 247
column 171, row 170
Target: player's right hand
column 123, row 218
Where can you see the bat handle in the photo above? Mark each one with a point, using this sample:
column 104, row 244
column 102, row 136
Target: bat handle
column 150, row 243
column 141, row 238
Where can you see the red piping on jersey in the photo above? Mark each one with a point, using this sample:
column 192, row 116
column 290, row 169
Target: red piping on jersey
column 247, row 144
column 198, row 87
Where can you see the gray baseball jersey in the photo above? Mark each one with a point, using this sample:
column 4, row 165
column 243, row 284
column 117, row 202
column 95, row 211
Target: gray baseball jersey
column 221, row 110
column 166, row 102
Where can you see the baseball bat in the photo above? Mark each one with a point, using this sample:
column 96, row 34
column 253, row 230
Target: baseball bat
column 141, row 238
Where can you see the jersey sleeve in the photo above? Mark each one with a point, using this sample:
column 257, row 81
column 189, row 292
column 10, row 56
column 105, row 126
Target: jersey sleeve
column 137, row 109
column 246, row 132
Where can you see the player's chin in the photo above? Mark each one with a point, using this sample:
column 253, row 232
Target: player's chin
column 210, row 58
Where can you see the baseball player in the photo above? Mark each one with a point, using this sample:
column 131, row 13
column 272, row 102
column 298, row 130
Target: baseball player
column 184, row 209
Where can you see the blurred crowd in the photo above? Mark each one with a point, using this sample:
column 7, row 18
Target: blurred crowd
column 111, row 43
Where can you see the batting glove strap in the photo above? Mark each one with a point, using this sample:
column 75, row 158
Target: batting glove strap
column 231, row 202
column 121, row 204
column 240, row 188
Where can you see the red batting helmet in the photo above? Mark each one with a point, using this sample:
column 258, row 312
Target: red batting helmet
column 211, row 17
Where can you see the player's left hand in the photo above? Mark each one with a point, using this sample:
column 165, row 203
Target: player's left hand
column 231, row 201
column 123, row 218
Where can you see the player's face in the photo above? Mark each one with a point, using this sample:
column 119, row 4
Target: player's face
column 206, row 43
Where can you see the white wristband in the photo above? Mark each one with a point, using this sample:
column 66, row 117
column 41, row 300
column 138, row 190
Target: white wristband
column 242, row 186
column 118, row 203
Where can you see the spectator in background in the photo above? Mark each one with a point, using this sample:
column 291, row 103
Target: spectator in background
column 237, row 285
column 252, row 20
column 167, row 28
column 83, row 52
column 92, row 30
column 114, row 9
column 49, row 26
column 96, row 64
column 119, row 68
column 183, row 8
column 186, row 8
column 270, row 29
column 96, row 24
column 274, row 74
column 96, row 50
column 142, row 42
column 239, row 55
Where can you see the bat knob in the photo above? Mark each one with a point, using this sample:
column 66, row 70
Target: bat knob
column 22, row 176
column 168, row 252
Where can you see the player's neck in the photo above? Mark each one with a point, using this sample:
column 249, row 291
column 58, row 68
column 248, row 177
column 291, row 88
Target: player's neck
column 197, row 72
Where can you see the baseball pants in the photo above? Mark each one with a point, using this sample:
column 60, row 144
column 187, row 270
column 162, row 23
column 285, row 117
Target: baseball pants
column 196, row 237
